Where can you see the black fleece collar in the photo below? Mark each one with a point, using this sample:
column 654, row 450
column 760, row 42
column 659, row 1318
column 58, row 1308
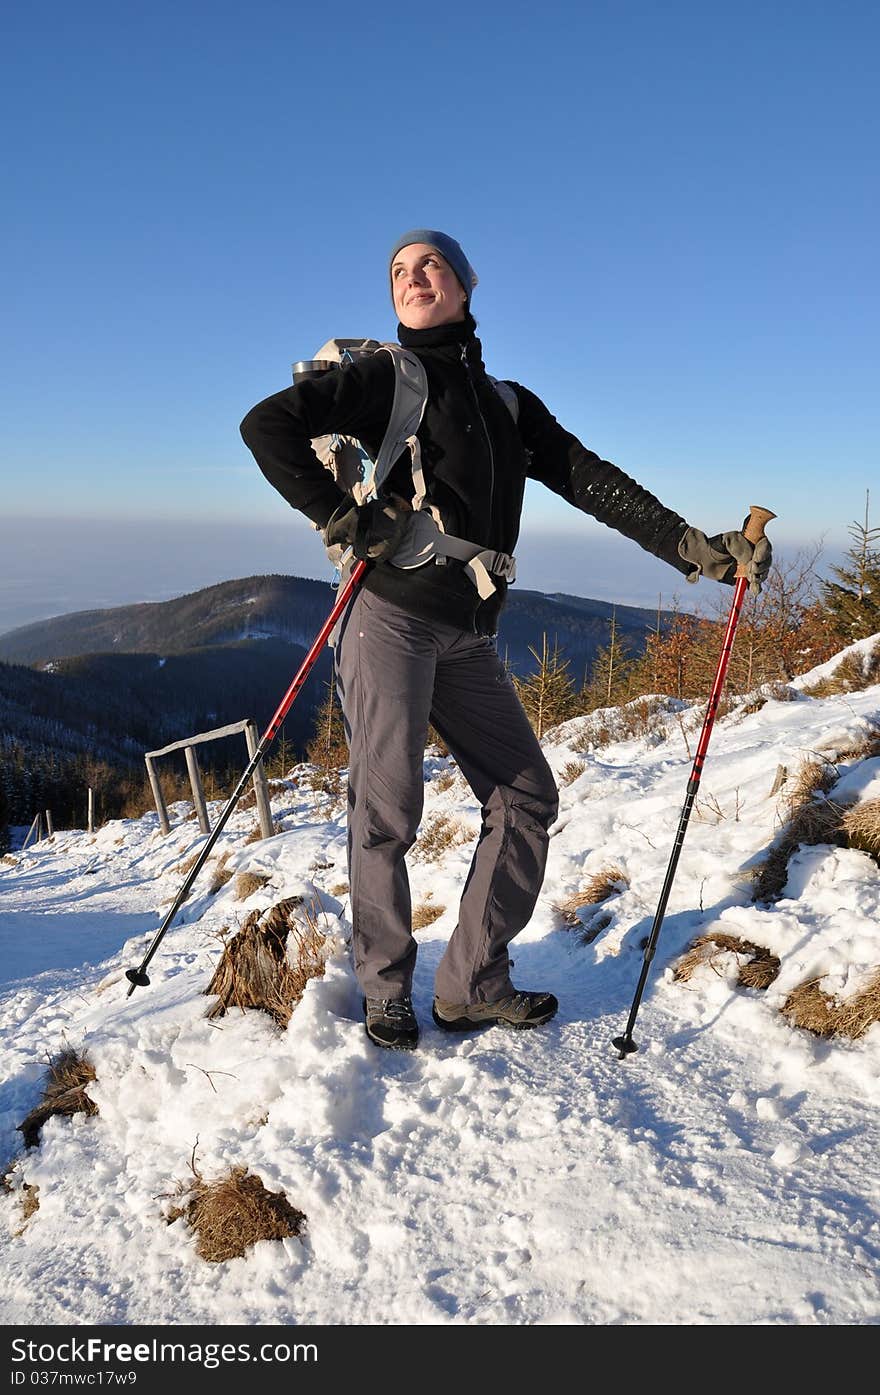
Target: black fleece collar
column 453, row 336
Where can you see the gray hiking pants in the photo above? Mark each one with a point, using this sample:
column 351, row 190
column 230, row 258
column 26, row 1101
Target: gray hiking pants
column 395, row 673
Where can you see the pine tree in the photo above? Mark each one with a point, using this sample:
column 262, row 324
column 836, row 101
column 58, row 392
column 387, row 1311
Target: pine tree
column 610, row 674
column 853, row 600
column 548, row 694
column 282, row 757
column 780, row 633
column 674, row 662
column 328, row 748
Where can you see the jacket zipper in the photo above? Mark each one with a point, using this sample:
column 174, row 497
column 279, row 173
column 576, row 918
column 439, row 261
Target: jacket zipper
column 470, row 377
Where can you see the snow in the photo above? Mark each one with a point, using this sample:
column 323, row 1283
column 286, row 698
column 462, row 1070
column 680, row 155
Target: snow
column 726, row 1173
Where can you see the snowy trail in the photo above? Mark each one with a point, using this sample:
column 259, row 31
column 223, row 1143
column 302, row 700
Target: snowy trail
column 726, row 1173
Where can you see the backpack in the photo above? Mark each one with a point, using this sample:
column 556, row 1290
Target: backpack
column 359, row 475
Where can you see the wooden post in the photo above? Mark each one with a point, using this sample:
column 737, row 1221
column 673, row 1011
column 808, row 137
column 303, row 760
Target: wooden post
column 50, row 827
column 39, row 828
column 195, row 780
column 158, row 796
column 261, row 784
column 31, row 830
column 91, row 824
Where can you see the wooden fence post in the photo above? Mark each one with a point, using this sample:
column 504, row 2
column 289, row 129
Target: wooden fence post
column 261, row 784
column 50, row 827
column 195, row 780
column 158, row 796
column 91, row 824
column 31, row 830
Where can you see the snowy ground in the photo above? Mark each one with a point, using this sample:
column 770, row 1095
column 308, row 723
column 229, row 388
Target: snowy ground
column 727, row 1173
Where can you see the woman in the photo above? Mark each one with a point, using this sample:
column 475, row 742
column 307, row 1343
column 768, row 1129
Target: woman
column 416, row 644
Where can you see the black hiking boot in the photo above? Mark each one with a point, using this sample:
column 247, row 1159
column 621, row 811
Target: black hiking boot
column 518, row 1010
column 391, row 1022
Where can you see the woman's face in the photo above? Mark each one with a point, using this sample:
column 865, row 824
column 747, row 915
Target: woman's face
column 426, row 290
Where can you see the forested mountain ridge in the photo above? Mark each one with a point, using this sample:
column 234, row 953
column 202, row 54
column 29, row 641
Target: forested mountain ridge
column 83, row 696
column 293, row 609
column 256, row 607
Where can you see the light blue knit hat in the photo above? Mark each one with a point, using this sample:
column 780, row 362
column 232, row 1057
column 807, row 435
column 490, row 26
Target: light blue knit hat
column 446, row 245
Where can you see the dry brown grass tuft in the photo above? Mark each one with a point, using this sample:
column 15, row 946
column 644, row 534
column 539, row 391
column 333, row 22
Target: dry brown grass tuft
column 776, row 692
column 425, row 914
column 30, row 1201
column 434, row 742
column 861, row 824
column 339, row 889
column 14, row 1184
column 607, row 882
column 268, row 962
column 246, row 883
column 570, row 771
column 640, row 717
column 329, row 782
column 811, row 818
column 812, row 779
column 809, row 1007
column 439, row 834
column 183, row 868
column 753, row 705
column 758, row 971
column 811, row 824
column 64, row 1093
column 221, row 875
column 256, row 833
column 854, row 673
column 865, row 748
column 444, row 782
column 235, row 1212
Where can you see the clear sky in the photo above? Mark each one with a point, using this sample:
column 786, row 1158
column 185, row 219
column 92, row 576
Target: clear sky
column 672, row 209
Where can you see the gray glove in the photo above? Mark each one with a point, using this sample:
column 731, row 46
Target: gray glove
column 719, row 556
column 373, row 530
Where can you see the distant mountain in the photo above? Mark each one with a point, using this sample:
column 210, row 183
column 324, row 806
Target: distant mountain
column 292, row 610
column 257, row 607
column 108, row 685
column 579, row 626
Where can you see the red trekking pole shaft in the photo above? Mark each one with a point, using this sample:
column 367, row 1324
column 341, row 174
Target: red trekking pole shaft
column 753, row 531
column 138, row 977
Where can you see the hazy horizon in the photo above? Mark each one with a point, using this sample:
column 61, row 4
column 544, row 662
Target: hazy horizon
column 57, row 566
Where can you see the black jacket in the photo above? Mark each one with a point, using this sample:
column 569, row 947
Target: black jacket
column 476, row 462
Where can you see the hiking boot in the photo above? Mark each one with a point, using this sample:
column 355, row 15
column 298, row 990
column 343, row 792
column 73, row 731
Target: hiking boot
column 391, row 1022
column 518, row 1010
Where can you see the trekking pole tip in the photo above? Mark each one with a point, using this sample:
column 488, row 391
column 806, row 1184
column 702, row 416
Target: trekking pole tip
column 625, row 1046
column 137, row 978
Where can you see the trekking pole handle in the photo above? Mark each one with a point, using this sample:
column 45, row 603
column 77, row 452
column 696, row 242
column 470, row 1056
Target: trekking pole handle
column 753, row 531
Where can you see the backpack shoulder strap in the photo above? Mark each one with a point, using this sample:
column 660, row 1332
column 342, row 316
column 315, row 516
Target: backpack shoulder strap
column 507, row 394
column 407, row 410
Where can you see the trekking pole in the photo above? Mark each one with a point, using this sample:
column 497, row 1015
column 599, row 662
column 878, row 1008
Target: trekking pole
column 138, row 977
column 753, row 531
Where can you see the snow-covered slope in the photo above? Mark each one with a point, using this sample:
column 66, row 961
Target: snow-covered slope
column 726, row 1173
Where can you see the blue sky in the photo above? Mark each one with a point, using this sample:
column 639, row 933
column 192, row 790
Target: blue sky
column 672, row 209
